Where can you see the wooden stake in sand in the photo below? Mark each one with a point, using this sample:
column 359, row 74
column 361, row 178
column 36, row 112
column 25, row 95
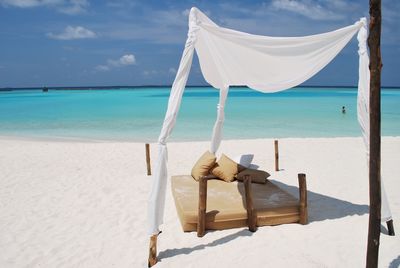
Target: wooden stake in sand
column 148, row 159
column 276, row 155
column 375, row 66
column 303, row 198
column 390, row 227
column 152, row 251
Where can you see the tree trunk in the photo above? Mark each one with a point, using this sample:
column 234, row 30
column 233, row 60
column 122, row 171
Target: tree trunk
column 375, row 134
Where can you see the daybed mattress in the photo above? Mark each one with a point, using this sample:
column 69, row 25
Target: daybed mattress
column 226, row 204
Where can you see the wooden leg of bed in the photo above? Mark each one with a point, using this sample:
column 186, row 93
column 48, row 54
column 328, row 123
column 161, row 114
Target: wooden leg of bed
column 390, row 227
column 147, row 146
column 303, row 198
column 276, row 155
column 201, row 221
column 152, row 251
column 251, row 215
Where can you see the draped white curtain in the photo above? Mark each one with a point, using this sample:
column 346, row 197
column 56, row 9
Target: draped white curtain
column 363, row 106
column 267, row 64
column 217, row 131
column 157, row 195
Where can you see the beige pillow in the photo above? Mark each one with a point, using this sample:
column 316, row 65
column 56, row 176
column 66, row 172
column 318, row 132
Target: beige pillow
column 257, row 176
column 203, row 165
column 226, row 169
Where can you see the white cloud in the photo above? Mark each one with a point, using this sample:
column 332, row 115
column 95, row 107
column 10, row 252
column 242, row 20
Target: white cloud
column 128, row 59
column 75, row 7
column 308, row 8
column 102, row 68
column 186, row 12
column 172, row 70
column 164, row 26
column 71, row 33
column 30, row 3
column 149, row 73
column 124, row 4
column 125, row 60
column 70, row 7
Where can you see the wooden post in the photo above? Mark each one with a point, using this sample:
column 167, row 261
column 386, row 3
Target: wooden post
column 152, row 251
column 276, row 155
column 148, row 159
column 390, row 227
column 201, row 220
column 303, row 198
column 375, row 66
column 251, row 215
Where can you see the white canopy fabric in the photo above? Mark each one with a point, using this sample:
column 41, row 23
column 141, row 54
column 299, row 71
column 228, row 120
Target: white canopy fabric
column 363, row 108
column 266, row 64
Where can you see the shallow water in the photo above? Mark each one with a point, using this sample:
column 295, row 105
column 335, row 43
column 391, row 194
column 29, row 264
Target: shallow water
column 137, row 114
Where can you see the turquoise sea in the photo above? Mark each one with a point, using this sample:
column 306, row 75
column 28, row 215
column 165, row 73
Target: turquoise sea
column 136, row 114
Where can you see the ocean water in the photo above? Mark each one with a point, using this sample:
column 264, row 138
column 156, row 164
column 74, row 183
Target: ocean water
column 137, row 114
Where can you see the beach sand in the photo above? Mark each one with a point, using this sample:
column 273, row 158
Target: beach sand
column 84, row 204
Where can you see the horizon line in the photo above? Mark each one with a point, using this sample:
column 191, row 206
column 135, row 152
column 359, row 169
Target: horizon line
column 149, row 86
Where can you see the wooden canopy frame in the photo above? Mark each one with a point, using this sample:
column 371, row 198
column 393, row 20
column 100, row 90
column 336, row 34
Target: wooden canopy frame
column 374, row 160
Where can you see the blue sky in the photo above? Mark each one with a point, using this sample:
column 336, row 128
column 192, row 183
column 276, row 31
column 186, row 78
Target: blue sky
column 120, row 42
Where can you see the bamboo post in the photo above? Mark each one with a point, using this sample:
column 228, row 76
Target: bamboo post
column 201, row 219
column 152, row 251
column 148, row 159
column 303, row 198
column 276, row 155
column 375, row 67
column 251, row 215
column 390, row 227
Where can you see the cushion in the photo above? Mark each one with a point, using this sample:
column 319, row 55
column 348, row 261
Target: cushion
column 226, row 168
column 244, row 159
column 257, row 176
column 203, row 165
column 253, row 166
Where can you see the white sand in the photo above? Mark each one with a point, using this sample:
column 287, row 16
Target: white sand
column 83, row 204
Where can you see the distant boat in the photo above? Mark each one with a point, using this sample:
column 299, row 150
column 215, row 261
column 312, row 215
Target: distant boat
column 45, row 89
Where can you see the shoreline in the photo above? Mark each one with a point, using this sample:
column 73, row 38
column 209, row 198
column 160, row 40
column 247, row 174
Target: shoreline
column 171, row 141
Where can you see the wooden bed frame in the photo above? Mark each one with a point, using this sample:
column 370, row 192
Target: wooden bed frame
column 251, row 212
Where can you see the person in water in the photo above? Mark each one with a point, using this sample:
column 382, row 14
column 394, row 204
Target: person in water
column 343, row 110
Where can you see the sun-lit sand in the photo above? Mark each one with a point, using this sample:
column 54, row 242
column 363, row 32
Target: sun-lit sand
column 84, row 204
